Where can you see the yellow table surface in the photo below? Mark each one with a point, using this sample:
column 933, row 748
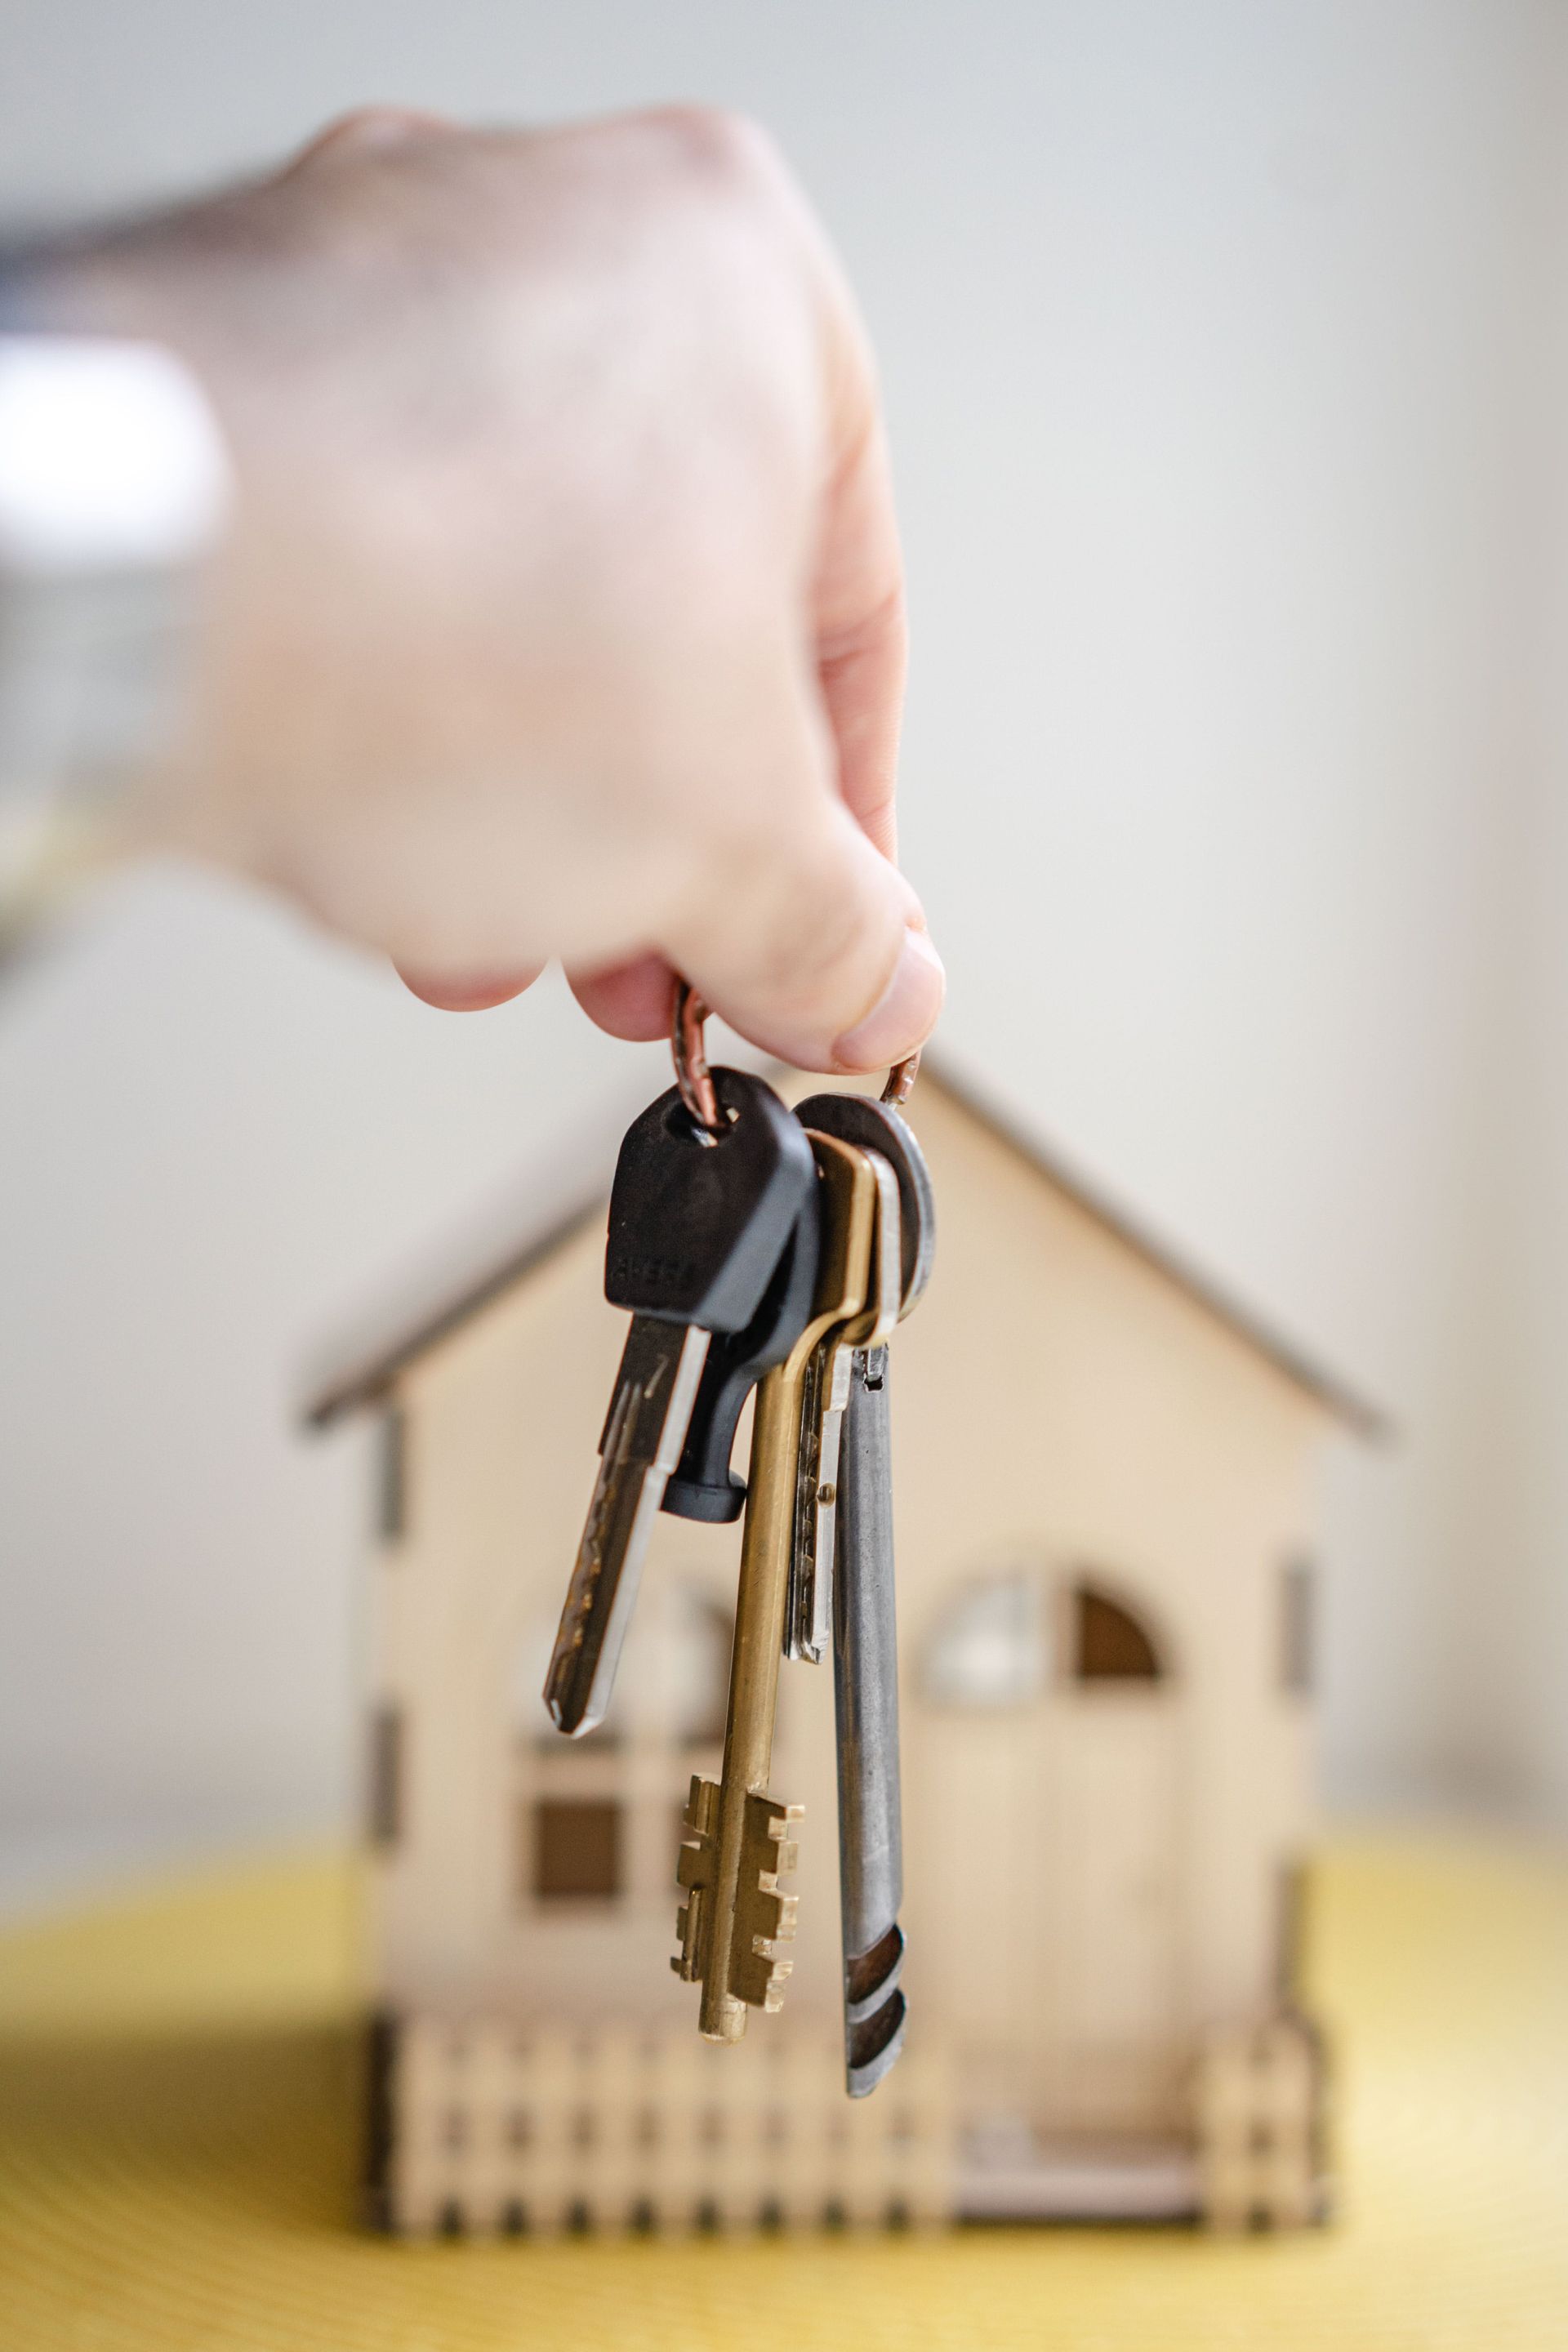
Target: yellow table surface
column 177, row 2150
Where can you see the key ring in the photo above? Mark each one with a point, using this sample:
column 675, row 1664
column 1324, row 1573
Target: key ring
column 900, row 1080
column 695, row 1080
column 692, row 1076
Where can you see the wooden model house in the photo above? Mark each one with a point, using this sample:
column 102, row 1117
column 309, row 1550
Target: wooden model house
column 1104, row 1481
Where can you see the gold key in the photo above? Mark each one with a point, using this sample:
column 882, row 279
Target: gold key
column 736, row 1844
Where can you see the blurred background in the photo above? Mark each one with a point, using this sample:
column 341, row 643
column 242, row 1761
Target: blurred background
column 1223, row 355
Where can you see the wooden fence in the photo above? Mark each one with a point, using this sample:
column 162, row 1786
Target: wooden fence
column 493, row 2130
column 1259, row 2106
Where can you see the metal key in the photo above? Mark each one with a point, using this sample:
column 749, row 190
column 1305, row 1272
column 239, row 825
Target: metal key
column 865, row 1705
column 808, row 1614
column 735, row 1842
column 865, row 1654
column 696, row 1227
column 703, row 1485
column 874, row 1126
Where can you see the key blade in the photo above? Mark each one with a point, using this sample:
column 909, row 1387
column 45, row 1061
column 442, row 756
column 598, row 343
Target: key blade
column 661, row 1367
column 818, row 1631
column 808, row 1621
column 865, row 1694
column 809, row 1616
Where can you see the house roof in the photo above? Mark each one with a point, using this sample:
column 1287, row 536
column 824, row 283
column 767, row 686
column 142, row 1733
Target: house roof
column 365, row 1374
column 1357, row 1412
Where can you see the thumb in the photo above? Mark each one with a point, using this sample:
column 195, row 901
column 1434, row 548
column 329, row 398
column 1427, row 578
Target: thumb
column 814, row 947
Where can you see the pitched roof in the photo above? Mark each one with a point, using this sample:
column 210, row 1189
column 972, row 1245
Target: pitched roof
column 1357, row 1412
column 365, row 1374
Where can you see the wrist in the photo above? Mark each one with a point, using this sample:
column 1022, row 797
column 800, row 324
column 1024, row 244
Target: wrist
column 113, row 484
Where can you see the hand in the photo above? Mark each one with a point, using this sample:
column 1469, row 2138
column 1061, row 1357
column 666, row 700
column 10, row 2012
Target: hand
column 563, row 611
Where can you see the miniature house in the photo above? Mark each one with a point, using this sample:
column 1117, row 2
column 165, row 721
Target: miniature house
column 1104, row 1479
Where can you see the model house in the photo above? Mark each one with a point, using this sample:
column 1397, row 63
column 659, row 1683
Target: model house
column 1105, row 1499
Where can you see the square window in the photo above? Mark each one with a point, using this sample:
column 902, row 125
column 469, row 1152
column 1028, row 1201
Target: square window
column 386, row 1765
column 573, row 1850
column 392, row 1477
column 1296, row 1627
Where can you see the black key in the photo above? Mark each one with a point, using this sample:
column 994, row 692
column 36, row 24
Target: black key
column 697, row 1228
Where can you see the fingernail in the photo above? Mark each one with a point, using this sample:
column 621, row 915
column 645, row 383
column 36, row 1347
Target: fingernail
column 903, row 1015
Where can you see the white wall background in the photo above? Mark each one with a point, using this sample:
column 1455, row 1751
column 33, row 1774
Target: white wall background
column 1217, row 349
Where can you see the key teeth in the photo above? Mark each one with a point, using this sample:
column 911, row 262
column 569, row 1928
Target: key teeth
column 772, row 2000
column 765, row 1919
column 759, row 1980
column 694, row 1866
column 701, row 1815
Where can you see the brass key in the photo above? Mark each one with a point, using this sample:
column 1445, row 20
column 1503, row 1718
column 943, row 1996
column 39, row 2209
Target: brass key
column 735, row 1841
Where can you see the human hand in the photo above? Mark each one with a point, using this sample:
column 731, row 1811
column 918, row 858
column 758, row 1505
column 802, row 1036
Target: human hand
column 562, row 613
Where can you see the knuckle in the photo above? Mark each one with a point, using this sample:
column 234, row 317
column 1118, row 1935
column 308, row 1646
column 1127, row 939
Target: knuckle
column 365, row 122
column 367, row 126
column 721, row 146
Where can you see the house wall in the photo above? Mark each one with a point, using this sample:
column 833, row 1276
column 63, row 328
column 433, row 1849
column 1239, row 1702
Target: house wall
column 1055, row 1400
column 1055, row 1394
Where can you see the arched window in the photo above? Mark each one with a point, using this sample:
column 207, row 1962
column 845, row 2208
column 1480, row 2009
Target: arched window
column 1110, row 1644
column 989, row 1648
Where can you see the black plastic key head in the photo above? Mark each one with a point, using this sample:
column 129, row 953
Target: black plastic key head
column 704, row 1486
column 697, row 1228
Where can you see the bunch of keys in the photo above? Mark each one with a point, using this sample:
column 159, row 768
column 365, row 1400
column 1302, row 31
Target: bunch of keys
column 761, row 1250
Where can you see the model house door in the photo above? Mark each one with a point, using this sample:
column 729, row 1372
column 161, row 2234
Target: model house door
column 973, row 1907
column 972, row 1832
column 1049, row 1826
column 1110, row 1887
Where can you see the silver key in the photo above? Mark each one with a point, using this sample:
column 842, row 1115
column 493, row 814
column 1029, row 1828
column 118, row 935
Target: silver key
column 866, row 1697
column 643, row 1432
column 865, row 1655
column 808, row 1621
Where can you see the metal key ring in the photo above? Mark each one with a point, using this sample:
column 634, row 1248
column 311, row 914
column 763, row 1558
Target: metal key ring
column 692, row 1076
column 695, row 1080
column 900, row 1080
